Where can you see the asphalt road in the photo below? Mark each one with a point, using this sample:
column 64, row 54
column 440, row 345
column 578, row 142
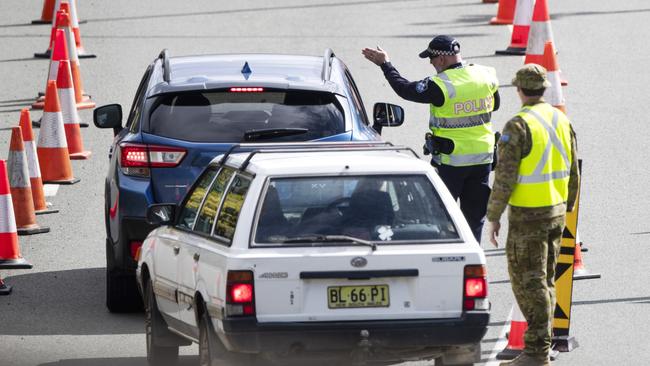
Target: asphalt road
column 56, row 314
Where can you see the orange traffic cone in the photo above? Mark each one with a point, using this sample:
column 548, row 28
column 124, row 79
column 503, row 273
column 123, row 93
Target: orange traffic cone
column 21, row 189
column 505, row 12
column 77, row 34
column 46, row 14
column 580, row 272
column 38, row 195
column 83, row 101
column 518, row 327
column 60, row 54
column 65, row 91
column 59, row 7
column 520, row 30
column 553, row 94
column 52, row 149
column 10, row 257
column 540, row 33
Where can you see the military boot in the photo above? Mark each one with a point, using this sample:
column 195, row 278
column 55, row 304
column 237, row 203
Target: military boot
column 527, row 360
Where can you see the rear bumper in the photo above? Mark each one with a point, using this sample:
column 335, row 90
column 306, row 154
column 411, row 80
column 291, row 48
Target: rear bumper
column 244, row 335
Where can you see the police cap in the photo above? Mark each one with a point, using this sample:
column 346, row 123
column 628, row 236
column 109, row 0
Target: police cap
column 441, row 45
column 532, row 77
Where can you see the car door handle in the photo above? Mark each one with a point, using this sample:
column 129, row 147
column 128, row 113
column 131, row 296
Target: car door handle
column 196, row 257
column 177, row 249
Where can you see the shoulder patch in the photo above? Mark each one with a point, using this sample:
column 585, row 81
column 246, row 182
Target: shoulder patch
column 422, row 85
column 504, row 138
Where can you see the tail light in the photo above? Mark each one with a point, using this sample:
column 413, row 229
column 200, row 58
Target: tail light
column 135, row 249
column 136, row 159
column 240, row 294
column 475, row 288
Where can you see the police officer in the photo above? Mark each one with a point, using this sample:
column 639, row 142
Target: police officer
column 461, row 98
column 538, row 177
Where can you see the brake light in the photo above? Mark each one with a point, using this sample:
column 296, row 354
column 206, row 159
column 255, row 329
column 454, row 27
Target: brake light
column 475, row 288
column 246, row 90
column 135, row 249
column 240, row 294
column 136, row 159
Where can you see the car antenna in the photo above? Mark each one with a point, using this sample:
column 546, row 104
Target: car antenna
column 167, row 70
column 327, row 64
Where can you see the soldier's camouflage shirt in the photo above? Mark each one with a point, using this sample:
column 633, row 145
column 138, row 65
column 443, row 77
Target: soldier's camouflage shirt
column 511, row 151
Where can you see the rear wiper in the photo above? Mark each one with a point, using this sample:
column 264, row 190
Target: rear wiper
column 330, row 238
column 270, row 133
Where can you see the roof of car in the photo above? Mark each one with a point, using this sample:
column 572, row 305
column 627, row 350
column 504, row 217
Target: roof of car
column 226, row 70
column 330, row 162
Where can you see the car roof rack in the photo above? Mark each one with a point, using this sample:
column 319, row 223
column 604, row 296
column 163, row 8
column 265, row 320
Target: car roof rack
column 327, row 64
column 314, row 147
column 167, row 70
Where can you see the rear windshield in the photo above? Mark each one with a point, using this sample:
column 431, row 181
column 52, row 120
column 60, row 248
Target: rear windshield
column 225, row 116
column 386, row 209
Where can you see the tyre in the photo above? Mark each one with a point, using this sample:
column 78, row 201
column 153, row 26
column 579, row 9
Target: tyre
column 121, row 289
column 155, row 328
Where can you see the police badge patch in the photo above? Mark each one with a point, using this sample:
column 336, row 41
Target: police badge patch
column 504, row 138
column 422, row 86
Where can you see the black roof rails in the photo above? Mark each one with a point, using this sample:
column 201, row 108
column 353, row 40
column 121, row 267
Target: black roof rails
column 167, row 70
column 315, row 147
column 327, row 64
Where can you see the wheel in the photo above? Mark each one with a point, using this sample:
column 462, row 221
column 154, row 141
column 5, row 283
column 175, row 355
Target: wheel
column 121, row 290
column 211, row 350
column 213, row 353
column 156, row 328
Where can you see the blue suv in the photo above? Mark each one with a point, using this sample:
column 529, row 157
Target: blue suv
column 187, row 110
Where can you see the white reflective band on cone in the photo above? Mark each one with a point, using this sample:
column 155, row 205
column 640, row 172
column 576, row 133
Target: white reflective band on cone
column 540, row 33
column 68, row 106
column 32, row 157
column 523, row 12
column 7, row 218
column 54, row 71
column 554, row 95
column 49, row 136
column 18, row 171
column 73, row 14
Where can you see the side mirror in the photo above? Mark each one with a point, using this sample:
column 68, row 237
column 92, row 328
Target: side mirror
column 108, row 116
column 161, row 214
column 388, row 115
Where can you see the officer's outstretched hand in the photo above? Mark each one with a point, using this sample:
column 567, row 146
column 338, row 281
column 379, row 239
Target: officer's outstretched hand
column 376, row 56
column 494, row 233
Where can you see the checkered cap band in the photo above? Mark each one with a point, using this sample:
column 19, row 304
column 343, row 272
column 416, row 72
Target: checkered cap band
column 438, row 52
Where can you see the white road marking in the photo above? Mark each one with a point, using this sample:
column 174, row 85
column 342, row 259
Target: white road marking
column 501, row 343
column 50, row 189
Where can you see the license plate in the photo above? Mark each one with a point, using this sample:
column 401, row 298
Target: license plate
column 343, row 297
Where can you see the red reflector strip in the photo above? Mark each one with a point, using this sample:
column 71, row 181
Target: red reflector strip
column 246, row 90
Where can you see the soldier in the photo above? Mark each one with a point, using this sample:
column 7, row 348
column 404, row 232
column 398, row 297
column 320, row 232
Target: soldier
column 538, row 177
column 461, row 99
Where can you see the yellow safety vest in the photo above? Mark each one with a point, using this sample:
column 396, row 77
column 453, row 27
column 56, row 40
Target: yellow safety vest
column 544, row 174
column 465, row 115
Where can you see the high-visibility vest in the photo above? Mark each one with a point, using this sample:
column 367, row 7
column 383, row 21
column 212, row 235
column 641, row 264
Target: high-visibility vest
column 544, row 174
column 465, row 115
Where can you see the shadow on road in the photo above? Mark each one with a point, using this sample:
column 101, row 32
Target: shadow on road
column 62, row 302
column 120, row 361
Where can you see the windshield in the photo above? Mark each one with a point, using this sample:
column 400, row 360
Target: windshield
column 379, row 208
column 225, row 116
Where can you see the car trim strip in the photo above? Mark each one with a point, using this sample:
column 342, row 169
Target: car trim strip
column 359, row 275
column 166, row 291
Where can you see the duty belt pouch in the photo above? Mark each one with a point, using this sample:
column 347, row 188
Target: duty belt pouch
column 495, row 156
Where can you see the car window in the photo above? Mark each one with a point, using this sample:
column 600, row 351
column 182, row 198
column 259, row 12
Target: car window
column 231, row 207
column 389, row 209
column 193, row 202
column 359, row 109
column 205, row 220
column 136, row 108
column 227, row 116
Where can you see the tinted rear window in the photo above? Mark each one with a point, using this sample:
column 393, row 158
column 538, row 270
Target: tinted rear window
column 224, row 116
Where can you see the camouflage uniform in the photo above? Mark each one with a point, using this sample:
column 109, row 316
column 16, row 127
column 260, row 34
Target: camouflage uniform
column 534, row 235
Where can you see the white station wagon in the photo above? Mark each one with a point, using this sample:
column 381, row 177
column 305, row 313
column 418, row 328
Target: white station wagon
column 348, row 253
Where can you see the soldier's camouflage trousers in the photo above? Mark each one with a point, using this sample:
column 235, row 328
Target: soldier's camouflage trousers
column 532, row 248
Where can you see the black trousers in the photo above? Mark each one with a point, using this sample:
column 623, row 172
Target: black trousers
column 471, row 185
